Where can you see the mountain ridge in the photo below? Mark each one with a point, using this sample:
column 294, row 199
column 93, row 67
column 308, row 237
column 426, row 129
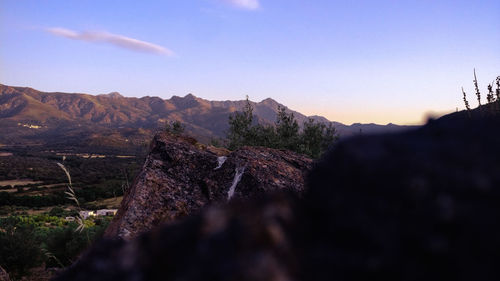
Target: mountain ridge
column 205, row 119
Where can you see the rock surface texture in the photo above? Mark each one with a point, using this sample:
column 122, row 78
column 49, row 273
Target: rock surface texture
column 419, row 205
column 3, row 275
column 180, row 177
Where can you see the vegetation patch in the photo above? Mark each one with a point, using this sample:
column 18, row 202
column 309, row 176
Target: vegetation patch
column 312, row 139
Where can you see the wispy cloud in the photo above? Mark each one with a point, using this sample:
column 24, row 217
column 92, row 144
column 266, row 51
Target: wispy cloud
column 112, row 39
column 244, row 4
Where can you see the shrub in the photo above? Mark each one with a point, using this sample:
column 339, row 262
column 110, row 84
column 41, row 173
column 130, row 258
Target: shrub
column 175, row 128
column 57, row 212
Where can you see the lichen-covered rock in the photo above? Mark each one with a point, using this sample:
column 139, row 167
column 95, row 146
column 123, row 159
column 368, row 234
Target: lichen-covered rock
column 420, row 205
column 180, row 176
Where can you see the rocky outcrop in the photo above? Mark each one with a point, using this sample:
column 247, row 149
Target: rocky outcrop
column 420, row 205
column 180, row 176
column 3, row 275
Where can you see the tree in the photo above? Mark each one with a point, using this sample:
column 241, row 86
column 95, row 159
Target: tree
column 264, row 136
column 317, row 138
column 287, row 130
column 240, row 125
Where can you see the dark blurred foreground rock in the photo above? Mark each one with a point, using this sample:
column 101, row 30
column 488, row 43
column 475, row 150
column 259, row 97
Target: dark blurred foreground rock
column 3, row 275
column 180, row 176
column 420, row 205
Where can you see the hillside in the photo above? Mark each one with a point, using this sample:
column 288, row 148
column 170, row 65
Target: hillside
column 31, row 117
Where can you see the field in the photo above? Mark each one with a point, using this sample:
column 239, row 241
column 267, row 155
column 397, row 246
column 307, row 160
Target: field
column 18, row 182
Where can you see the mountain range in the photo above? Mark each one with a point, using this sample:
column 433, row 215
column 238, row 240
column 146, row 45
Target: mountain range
column 32, row 117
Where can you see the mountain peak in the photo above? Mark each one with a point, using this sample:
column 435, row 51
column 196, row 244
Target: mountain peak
column 112, row 95
column 186, row 97
column 269, row 101
column 190, row 96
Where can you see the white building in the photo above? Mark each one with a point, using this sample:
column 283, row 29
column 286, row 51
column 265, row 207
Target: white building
column 103, row 212
column 106, row 212
column 87, row 214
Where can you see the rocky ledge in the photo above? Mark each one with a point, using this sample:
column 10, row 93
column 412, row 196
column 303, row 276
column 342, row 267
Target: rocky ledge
column 419, row 205
column 180, row 176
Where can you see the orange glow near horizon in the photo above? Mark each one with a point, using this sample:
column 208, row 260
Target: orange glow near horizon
column 395, row 116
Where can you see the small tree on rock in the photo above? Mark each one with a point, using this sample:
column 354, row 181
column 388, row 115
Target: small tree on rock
column 174, row 127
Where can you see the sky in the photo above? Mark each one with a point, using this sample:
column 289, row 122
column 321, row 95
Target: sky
column 351, row 61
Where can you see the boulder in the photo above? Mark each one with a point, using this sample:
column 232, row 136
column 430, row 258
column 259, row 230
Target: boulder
column 181, row 176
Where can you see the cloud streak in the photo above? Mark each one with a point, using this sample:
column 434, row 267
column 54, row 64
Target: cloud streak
column 244, row 4
column 111, row 39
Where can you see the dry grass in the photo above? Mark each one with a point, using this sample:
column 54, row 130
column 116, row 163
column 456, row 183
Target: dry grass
column 71, row 195
column 110, row 203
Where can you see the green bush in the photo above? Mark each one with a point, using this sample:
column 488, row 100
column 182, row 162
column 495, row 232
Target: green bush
column 27, row 241
column 174, row 127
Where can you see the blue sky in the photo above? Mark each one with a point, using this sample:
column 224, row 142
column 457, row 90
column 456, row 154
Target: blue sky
column 350, row 61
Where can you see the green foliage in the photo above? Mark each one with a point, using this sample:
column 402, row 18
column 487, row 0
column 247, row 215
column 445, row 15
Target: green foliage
column 263, row 136
column 312, row 140
column 175, row 128
column 240, row 127
column 29, row 240
column 287, row 130
column 65, row 244
column 317, row 138
column 57, row 212
column 19, row 248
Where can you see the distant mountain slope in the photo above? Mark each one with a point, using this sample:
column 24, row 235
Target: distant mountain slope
column 31, row 116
